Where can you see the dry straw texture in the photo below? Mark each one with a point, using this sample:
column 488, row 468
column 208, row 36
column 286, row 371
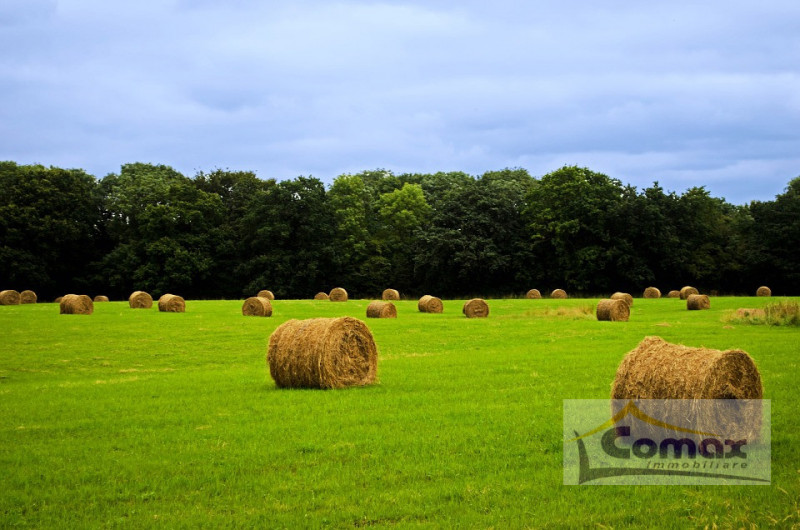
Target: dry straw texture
column 430, row 304
column 390, row 294
column 58, row 299
column 379, row 309
column 627, row 298
column 322, row 353
column 101, row 298
column 76, row 304
column 338, row 295
column 687, row 291
column 171, row 303
column 674, row 294
column 697, row 302
column 558, row 293
column 476, row 308
column 533, row 294
column 9, row 297
column 651, row 292
column 764, row 291
column 257, row 306
column 614, row 310
column 266, row 294
column 321, row 296
column 27, row 297
column 140, row 300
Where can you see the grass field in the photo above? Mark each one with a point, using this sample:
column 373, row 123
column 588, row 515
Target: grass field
column 140, row 418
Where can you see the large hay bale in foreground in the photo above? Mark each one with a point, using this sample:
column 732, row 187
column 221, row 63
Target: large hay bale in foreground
column 338, row 295
column 764, row 291
column 698, row 301
column 76, row 304
column 674, row 294
column 626, row 297
column 390, row 294
column 257, row 306
column 687, row 291
column 651, row 292
column 533, row 294
column 430, row 304
column 9, row 297
column 613, row 310
column 27, row 297
column 476, row 308
column 266, row 294
column 171, row 303
column 380, row 309
column 322, row 353
column 559, row 293
column 140, row 300
column 101, row 298
column 321, row 296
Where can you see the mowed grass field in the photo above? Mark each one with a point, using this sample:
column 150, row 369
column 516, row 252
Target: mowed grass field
column 135, row 418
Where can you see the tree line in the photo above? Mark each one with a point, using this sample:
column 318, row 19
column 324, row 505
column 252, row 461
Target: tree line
column 229, row 234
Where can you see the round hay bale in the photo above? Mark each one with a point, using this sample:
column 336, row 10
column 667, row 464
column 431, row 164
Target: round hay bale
column 613, row 310
column 533, row 294
column 101, row 298
column 476, row 308
column 76, row 304
column 674, row 294
column 390, row 294
column 698, row 301
column 430, row 304
column 627, row 298
column 321, row 296
column 257, row 306
column 58, row 299
column 558, row 293
column 9, row 297
column 338, row 295
column 27, row 297
column 764, row 291
column 687, row 291
column 322, row 353
column 379, row 309
column 651, row 292
column 140, row 300
column 266, row 294
column 171, row 303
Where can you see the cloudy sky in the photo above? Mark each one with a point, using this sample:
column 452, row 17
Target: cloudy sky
column 683, row 92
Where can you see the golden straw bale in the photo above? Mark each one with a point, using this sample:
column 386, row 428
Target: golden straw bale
column 764, row 291
column 430, row 304
column 27, row 297
column 627, row 298
column 338, row 294
column 558, row 293
column 140, row 300
column 321, row 296
column 614, row 310
column 390, row 294
column 698, row 301
column 266, row 294
column 688, row 290
column 101, row 298
column 674, row 294
column 257, row 306
column 533, row 294
column 381, row 309
column 171, row 303
column 651, row 292
column 476, row 308
column 76, row 304
column 10, row 297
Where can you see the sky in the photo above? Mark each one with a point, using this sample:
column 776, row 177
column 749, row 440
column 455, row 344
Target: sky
column 684, row 93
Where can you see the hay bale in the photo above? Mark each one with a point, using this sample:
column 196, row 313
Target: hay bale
column 430, row 304
column 76, row 304
column 674, row 294
column 338, row 295
column 101, row 298
column 614, row 310
column 652, row 292
column 746, row 313
column 627, row 298
column 140, row 300
column 171, row 303
column 58, row 299
column 558, row 293
column 698, row 301
column 257, row 306
column 390, row 294
column 379, row 309
column 9, row 297
column 687, row 291
column 533, row 294
column 27, row 297
column 321, row 296
column 476, row 308
column 322, row 353
column 764, row 291
column 266, row 294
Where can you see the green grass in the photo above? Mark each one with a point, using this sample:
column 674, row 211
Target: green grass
column 140, row 418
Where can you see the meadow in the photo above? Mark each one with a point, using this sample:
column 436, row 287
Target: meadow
column 146, row 419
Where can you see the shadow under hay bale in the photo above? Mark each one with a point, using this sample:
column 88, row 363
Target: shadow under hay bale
column 533, row 294
column 685, row 292
column 613, row 310
column 27, row 297
column 651, row 292
column 674, row 294
column 266, row 294
column 390, row 294
column 322, row 353
column 476, row 308
column 171, row 303
column 101, row 298
column 257, row 306
column 430, row 304
column 627, row 298
column 76, row 304
column 559, row 294
column 764, row 291
column 321, row 296
column 379, row 309
column 697, row 302
column 140, row 300
column 9, row 297
column 338, row 295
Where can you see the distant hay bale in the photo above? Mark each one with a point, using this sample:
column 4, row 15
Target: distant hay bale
column 257, row 306
column 651, row 292
column 58, row 299
column 390, row 294
column 322, row 353
column 76, row 304
column 338, row 295
column 266, row 294
column 380, row 309
column 430, row 304
column 9, row 297
column 558, row 293
column 321, row 296
column 627, row 298
column 476, row 308
column 674, row 294
column 140, row 300
column 687, row 291
column 533, row 294
column 27, row 297
column 171, row 303
column 101, row 298
column 697, row 302
column 764, row 291
column 613, row 310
